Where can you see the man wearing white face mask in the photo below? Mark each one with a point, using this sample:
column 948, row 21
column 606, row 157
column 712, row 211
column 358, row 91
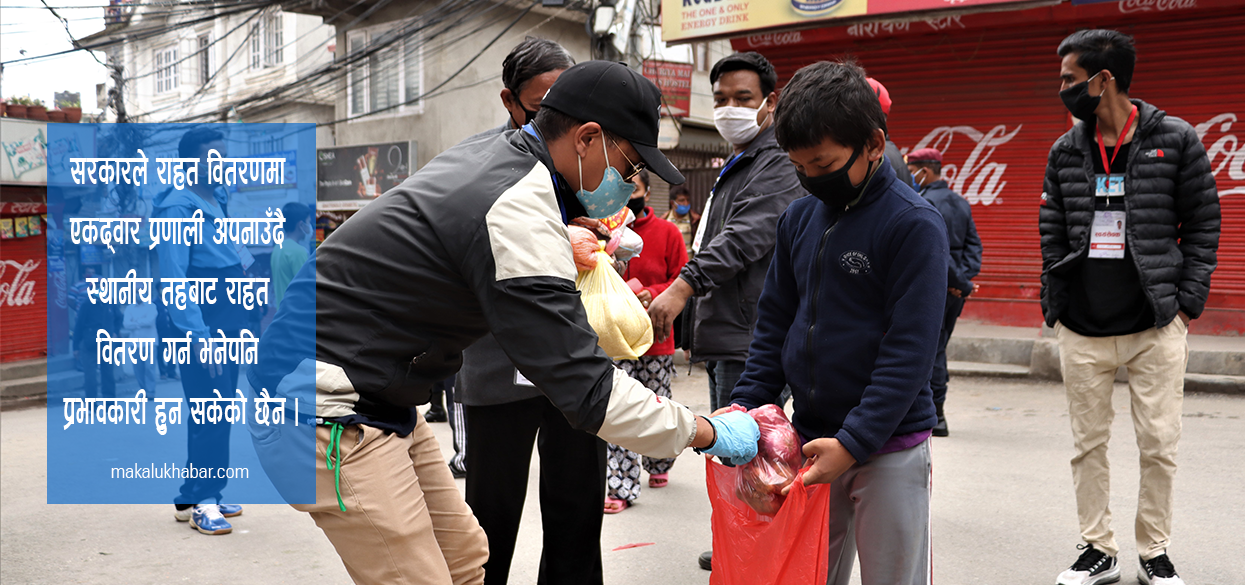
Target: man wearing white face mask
column 735, row 238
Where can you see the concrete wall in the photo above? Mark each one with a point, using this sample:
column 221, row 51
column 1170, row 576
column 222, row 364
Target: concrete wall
column 470, row 103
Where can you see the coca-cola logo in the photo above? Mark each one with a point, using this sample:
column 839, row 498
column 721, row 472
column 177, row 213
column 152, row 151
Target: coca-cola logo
column 1226, row 152
column 16, row 290
column 978, row 179
column 1129, row 6
column 775, row 39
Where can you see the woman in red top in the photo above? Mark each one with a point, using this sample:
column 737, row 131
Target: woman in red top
column 655, row 268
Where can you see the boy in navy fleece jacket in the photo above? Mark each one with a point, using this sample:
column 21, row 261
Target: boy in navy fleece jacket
column 849, row 318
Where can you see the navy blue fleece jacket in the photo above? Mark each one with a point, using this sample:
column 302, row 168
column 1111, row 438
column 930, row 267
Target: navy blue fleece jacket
column 850, row 316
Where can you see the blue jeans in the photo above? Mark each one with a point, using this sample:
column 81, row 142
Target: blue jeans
column 723, row 375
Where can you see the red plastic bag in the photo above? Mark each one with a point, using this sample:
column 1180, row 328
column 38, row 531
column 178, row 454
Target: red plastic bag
column 791, row 548
column 778, row 458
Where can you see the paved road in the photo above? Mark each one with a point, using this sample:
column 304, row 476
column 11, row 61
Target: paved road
column 1003, row 508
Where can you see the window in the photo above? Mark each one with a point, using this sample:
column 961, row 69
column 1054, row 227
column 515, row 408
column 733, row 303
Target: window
column 166, row 69
column 267, row 41
column 387, row 72
column 205, row 58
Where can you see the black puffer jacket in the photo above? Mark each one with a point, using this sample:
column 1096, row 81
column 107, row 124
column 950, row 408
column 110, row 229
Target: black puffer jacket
column 1172, row 207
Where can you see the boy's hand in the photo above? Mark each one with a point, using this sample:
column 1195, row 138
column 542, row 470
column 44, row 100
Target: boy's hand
column 828, row 459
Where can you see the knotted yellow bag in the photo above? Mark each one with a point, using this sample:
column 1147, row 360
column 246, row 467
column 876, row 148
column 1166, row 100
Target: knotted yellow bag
column 623, row 327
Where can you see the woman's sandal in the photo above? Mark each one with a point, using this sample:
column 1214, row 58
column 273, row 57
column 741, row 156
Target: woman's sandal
column 615, row 505
column 658, row 480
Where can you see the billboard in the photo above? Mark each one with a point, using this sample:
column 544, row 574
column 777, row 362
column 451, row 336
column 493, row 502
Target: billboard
column 348, row 177
column 685, row 20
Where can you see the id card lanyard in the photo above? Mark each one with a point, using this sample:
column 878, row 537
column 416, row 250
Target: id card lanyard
column 1102, row 149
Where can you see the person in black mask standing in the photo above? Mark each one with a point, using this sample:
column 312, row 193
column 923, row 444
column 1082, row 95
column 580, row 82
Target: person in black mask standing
column 1130, row 227
column 849, row 318
column 926, row 167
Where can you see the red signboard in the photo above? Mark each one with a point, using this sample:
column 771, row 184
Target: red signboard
column 675, row 82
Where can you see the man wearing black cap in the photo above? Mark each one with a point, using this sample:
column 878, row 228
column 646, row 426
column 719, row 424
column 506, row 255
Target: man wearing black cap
column 474, row 242
column 964, row 264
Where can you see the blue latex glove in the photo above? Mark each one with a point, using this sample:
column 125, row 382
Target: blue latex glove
column 737, row 436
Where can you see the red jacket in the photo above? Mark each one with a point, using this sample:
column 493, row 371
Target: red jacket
column 658, row 264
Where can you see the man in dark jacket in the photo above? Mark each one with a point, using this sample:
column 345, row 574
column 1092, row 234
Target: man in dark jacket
column 926, row 168
column 1130, row 226
column 506, row 414
column 735, row 239
column 849, row 318
column 473, row 242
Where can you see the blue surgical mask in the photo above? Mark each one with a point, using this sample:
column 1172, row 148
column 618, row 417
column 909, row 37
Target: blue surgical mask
column 610, row 196
column 682, row 209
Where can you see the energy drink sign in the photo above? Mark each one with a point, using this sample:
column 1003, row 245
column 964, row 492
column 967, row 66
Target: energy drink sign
column 348, row 177
column 685, row 20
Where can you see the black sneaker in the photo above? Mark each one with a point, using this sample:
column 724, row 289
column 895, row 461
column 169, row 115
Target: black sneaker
column 1159, row 571
column 940, row 429
column 1092, row 568
column 706, row 560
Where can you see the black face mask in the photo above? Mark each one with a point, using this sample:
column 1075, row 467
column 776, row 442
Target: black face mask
column 1079, row 102
column 636, row 206
column 528, row 115
column 836, row 189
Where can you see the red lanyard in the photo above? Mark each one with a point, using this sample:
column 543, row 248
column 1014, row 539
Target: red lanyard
column 1119, row 142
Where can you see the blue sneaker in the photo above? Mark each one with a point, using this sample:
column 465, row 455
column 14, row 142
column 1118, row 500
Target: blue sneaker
column 208, row 520
column 230, row 510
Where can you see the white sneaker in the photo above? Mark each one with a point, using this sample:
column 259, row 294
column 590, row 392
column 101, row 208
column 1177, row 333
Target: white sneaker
column 1094, row 567
column 1159, row 571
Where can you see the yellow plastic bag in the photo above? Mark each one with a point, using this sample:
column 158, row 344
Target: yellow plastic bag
column 623, row 327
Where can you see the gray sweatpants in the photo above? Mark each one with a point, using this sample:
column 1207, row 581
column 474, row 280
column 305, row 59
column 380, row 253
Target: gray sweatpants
column 881, row 508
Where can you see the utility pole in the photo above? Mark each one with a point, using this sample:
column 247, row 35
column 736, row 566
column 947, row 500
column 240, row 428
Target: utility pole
column 117, row 94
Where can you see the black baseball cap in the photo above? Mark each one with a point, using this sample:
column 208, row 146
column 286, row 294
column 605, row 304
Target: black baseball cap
column 623, row 102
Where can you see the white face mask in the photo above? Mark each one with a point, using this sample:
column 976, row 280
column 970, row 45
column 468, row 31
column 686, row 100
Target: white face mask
column 737, row 125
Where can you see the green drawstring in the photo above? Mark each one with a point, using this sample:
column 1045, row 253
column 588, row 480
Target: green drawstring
column 334, row 462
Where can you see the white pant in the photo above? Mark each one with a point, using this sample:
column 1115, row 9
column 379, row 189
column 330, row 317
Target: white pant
column 1156, row 360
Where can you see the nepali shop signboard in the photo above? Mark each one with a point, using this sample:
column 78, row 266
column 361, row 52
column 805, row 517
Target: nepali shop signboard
column 675, row 82
column 349, row 177
column 685, row 20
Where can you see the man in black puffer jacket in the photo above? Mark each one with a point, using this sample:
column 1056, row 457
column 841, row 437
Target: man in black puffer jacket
column 1130, row 226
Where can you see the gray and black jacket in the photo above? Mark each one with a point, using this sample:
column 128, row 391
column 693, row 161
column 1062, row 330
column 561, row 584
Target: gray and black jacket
column 728, row 271
column 488, row 377
column 473, row 242
column 1172, row 206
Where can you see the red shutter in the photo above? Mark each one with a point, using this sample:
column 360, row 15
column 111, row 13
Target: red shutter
column 987, row 97
column 23, row 302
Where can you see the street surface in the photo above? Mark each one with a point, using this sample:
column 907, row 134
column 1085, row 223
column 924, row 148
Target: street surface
column 1003, row 507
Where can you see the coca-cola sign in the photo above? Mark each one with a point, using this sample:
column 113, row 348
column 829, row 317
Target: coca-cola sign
column 16, row 289
column 977, row 178
column 1130, row 6
column 1225, row 151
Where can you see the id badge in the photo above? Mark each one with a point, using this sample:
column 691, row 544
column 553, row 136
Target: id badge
column 1109, row 185
column 244, row 255
column 1107, row 238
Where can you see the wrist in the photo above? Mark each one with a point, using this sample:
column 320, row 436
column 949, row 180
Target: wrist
column 704, row 429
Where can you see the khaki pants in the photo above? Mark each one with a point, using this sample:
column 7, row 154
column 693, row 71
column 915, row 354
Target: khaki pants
column 405, row 520
column 1156, row 360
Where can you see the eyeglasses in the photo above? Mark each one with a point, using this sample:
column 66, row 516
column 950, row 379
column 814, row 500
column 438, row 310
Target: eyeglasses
column 635, row 168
